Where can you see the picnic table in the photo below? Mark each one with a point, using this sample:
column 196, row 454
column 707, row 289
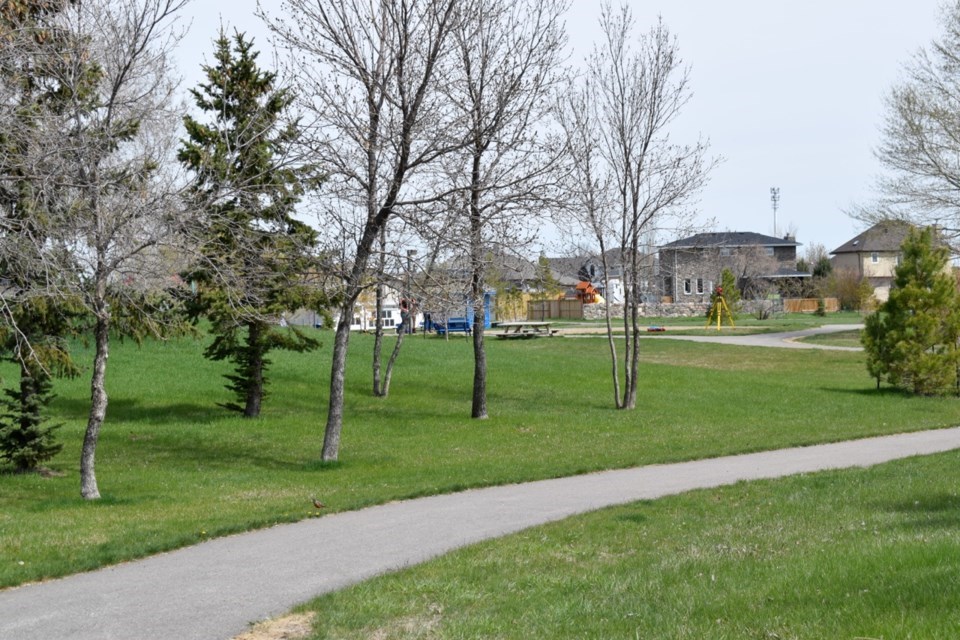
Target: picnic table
column 524, row 329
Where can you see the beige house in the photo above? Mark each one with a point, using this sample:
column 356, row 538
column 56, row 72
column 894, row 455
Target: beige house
column 874, row 254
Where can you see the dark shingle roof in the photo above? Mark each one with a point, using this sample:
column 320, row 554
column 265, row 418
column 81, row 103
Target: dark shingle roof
column 730, row 239
column 886, row 235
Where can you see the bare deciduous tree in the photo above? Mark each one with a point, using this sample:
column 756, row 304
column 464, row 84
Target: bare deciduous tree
column 589, row 189
column 920, row 148
column 369, row 74
column 508, row 55
column 630, row 98
column 116, row 207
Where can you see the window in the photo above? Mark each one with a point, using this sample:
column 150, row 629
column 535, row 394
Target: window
column 726, row 252
column 874, row 257
column 687, row 286
column 700, row 286
column 768, row 250
column 386, row 318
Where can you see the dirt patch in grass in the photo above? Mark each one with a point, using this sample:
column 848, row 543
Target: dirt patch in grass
column 290, row 627
column 421, row 626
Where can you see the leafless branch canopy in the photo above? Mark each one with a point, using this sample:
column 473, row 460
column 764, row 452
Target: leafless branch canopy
column 920, row 148
column 627, row 181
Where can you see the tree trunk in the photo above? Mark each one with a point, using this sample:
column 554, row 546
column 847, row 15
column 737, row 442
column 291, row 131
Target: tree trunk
column 479, row 409
column 378, row 385
column 251, row 408
column 625, row 233
column 388, row 374
column 631, row 399
column 628, row 341
column 98, row 407
column 331, row 436
column 331, row 433
column 378, row 343
column 631, row 324
column 611, row 342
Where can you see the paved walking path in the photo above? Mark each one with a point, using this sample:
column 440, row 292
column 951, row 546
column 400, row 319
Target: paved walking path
column 786, row 339
column 215, row 589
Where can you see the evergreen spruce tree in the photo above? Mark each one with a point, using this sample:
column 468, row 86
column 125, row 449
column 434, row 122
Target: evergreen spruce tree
column 255, row 253
column 35, row 325
column 731, row 294
column 26, row 437
column 911, row 340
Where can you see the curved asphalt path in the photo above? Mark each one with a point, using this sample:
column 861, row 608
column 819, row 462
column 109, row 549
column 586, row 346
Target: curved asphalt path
column 215, row 589
column 787, row 339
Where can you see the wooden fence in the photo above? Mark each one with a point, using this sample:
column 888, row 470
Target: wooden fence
column 809, row 305
column 550, row 309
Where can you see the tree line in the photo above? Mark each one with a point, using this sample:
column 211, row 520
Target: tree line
column 449, row 127
column 399, row 123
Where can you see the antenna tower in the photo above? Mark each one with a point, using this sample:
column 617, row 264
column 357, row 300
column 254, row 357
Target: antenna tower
column 775, row 200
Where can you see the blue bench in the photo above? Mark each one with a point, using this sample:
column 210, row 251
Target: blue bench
column 453, row 325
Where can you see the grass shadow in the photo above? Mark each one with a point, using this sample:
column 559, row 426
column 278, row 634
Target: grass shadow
column 131, row 410
column 158, row 432
column 635, row 518
column 213, row 454
column 938, row 511
column 323, row 465
column 871, row 391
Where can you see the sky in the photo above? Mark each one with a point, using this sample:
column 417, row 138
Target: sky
column 790, row 94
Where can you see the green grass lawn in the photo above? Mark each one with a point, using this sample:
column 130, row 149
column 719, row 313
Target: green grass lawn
column 839, row 339
column 745, row 324
column 854, row 554
column 174, row 468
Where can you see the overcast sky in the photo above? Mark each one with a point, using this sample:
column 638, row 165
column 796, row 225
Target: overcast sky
column 790, row 94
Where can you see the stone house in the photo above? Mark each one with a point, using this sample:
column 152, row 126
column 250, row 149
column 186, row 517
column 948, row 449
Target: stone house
column 690, row 268
column 874, row 254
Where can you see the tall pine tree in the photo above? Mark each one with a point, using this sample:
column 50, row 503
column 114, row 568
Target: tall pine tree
column 255, row 255
column 911, row 340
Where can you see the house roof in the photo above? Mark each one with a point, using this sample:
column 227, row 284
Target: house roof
column 886, row 235
column 569, row 267
column 513, row 268
column 730, row 239
column 577, row 268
